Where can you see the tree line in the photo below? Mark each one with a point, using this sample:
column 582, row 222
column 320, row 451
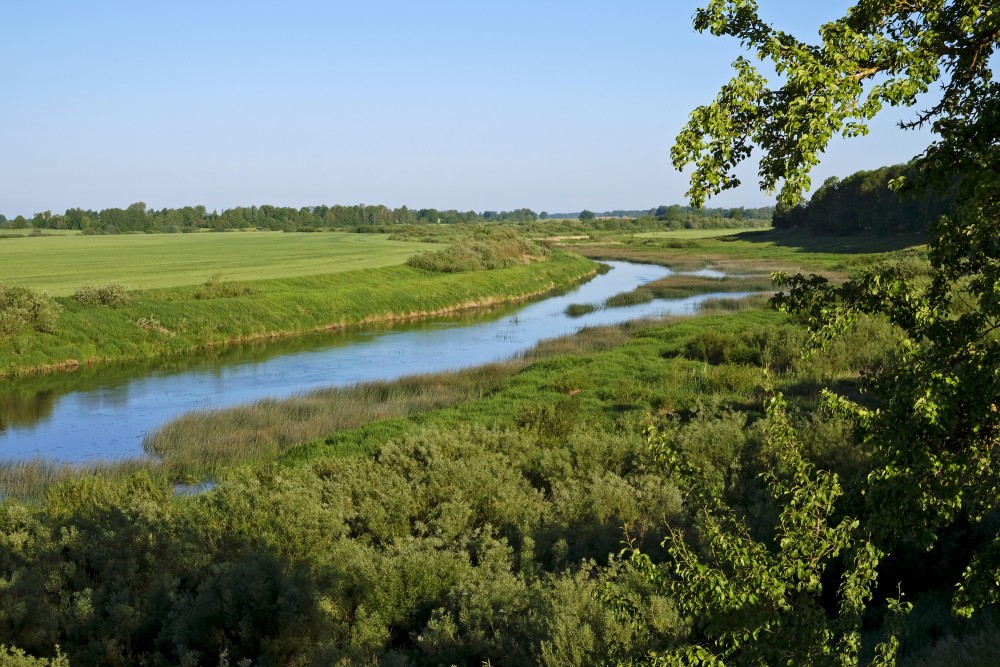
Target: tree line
column 138, row 217
column 865, row 203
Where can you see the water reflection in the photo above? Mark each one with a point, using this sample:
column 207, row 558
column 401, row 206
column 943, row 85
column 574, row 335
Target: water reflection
column 25, row 410
column 103, row 413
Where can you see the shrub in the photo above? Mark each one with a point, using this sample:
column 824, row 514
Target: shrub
column 111, row 295
column 14, row 657
column 482, row 251
column 215, row 288
column 22, row 308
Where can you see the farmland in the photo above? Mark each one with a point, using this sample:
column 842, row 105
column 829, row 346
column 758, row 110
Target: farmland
column 60, row 264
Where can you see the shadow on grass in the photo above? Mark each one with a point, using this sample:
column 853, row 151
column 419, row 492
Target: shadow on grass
column 811, row 242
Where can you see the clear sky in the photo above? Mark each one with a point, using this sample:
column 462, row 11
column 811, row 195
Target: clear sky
column 550, row 105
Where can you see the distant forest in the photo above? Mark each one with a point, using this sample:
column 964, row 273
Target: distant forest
column 139, row 218
column 677, row 212
column 863, row 203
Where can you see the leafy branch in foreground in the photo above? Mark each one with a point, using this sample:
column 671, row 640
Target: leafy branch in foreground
column 934, row 433
column 752, row 603
column 882, row 52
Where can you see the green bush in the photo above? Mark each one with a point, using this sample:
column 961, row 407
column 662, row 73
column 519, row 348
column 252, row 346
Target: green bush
column 14, row 657
column 22, row 308
column 483, row 251
column 217, row 288
column 111, row 295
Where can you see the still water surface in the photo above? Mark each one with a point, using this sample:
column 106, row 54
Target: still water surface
column 102, row 414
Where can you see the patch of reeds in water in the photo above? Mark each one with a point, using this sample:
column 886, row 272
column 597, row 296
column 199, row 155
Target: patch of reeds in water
column 633, row 298
column 202, row 442
column 579, row 309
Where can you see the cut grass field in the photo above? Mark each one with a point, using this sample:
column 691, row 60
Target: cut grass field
column 58, row 265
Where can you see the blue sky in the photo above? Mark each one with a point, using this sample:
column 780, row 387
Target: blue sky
column 555, row 106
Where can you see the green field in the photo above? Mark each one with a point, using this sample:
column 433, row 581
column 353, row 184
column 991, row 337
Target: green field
column 60, row 264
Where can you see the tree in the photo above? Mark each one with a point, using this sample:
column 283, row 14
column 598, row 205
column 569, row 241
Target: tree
column 934, row 435
column 586, row 216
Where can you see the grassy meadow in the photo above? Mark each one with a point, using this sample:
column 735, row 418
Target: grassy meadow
column 58, row 265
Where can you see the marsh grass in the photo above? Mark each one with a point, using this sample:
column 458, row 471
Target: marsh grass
column 728, row 305
column 679, row 286
column 201, row 443
column 579, row 309
column 633, row 298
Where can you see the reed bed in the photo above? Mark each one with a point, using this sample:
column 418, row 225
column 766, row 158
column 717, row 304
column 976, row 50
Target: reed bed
column 580, row 309
column 679, row 286
column 203, row 442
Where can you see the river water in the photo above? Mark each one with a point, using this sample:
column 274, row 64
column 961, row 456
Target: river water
column 102, row 414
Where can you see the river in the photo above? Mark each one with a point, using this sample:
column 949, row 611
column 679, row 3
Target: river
column 102, row 414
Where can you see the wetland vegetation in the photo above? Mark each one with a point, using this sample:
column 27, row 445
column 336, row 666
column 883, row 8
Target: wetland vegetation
column 810, row 479
column 456, row 518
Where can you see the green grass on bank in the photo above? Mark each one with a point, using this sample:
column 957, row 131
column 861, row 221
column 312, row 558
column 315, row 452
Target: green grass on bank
column 170, row 321
column 761, row 251
column 60, row 264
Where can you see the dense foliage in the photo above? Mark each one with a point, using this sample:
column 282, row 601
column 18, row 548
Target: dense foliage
column 24, row 309
column 457, row 542
column 482, row 251
column 138, row 217
column 864, row 203
column 933, row 427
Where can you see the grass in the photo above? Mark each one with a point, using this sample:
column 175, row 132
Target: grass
column 203, row 443
column 59, row 265
column 580, row 309
column 609, row 373
column 606, row 375
column 167, row 322
column 758, row 251
column 693, row 233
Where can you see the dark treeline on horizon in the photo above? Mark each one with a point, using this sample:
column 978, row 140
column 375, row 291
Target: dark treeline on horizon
column 863, row 203
column 138, row 217
column 679, row 212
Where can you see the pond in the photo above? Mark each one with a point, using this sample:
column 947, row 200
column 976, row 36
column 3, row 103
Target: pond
column 101, row 414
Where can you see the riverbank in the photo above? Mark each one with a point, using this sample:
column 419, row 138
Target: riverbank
column 160, row 323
